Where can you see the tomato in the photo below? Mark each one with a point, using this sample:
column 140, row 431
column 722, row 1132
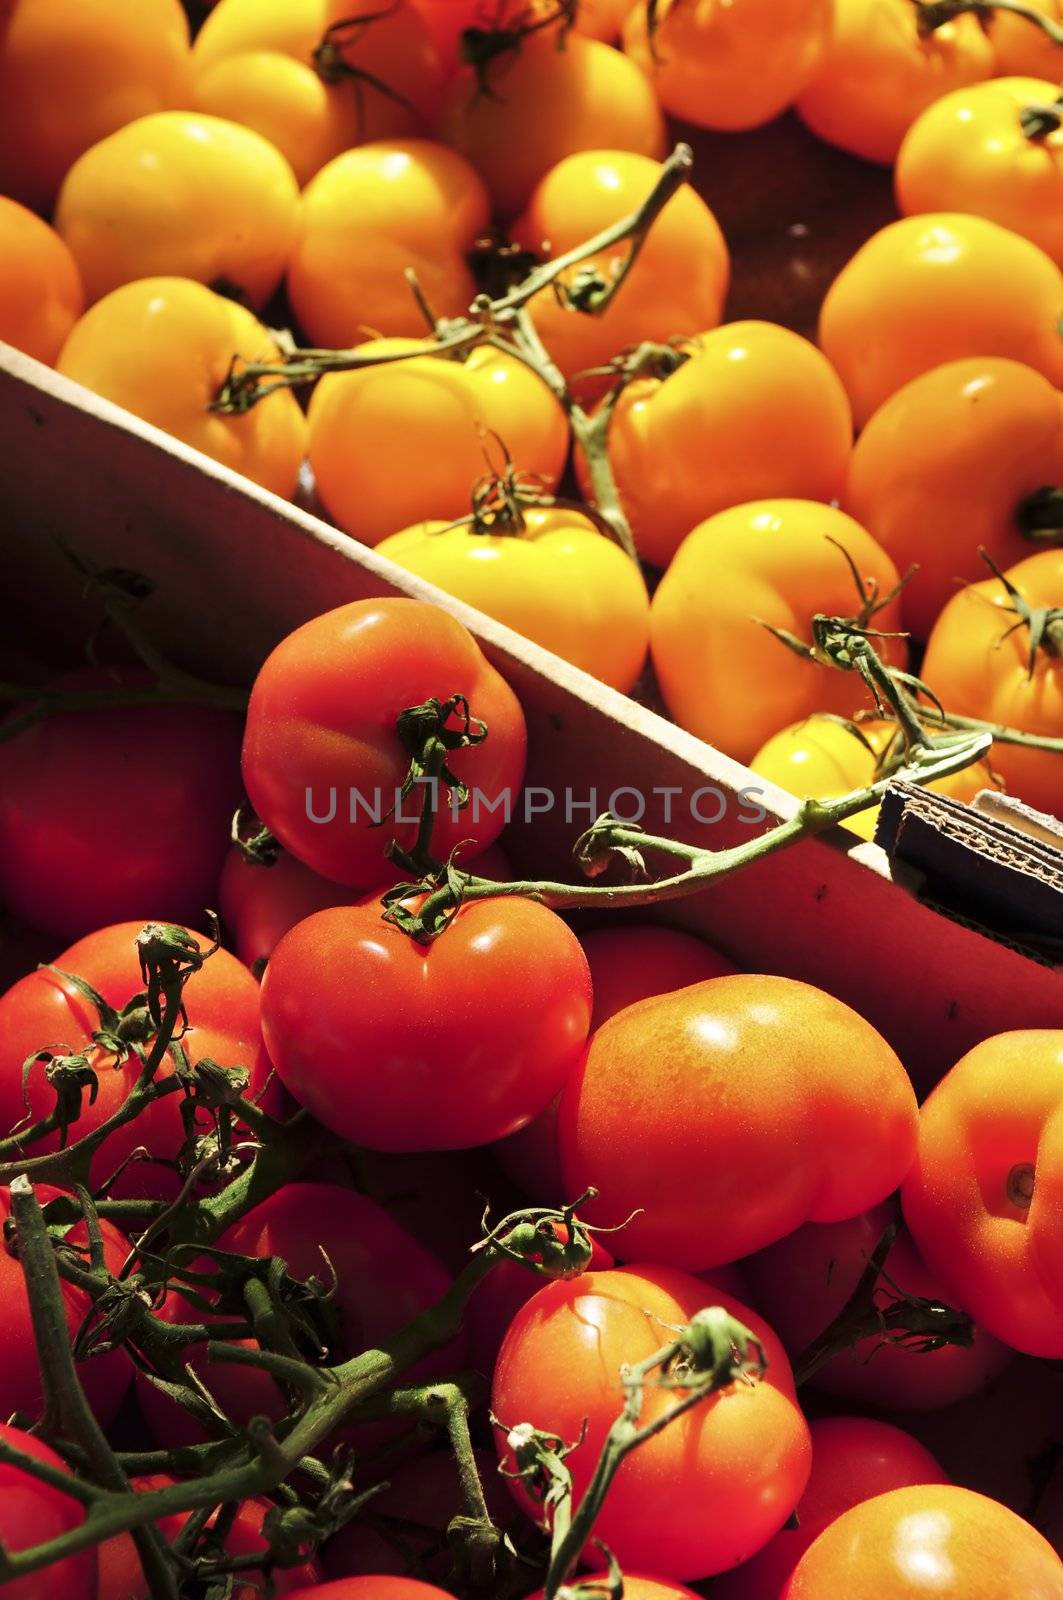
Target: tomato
column 755, row 411
column 433, row 412
column 30, row 1513
column 729, row 64
column 142, row 828
column 253, row 61
column 543, row 102
column 1021, row 48
column 968, row 152
column 926, row 290
column 45, row 1011
column 935, row 1541
column 945, row 468
column 104, row 1378
column 71, row 72
column 729, row 1111
column 447, row 20
column 802, row 1282
column 820, row 759
column 744, row 1450
column 368, row 216
column 677, row 285
column 633, row 961
column 984, row 1197
column 853, row 1459
column 40, row 291
column 376, row 1587
column 383, row 1279
column 602, row 19
column 162, row 348
column 497, row 1299
column 323, row 760
column 878, row 73
column 438, row 1047
column 558, row 580
column 182, row 194
column 767, row 562
column 259, row 904
column 122, row 1577
column 642, row 1588
column 980, row 669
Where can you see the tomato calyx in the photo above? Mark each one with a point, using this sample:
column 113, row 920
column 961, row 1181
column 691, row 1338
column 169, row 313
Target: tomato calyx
column 481, row 48
column 1038, row 121
column 330, row 62
column 257, row 845
column 428, row 734
column 1045, row 623
column 1040, row 515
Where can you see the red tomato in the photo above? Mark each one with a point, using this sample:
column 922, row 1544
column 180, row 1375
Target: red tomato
column 630, row 963
column 45, row 1011
column 105, row 1378
column 31, row 1512
column 935, row 1542
column 122, row 1577
column 401, row 1046
column 323, row 761
column 749, row 1086
column 853, row 1458
column 140, row 831
column 375, row 1588
column 803, row 1281
column 744, row 1451
column 984, row 1198
column 499, row 1297
column 383, row 1280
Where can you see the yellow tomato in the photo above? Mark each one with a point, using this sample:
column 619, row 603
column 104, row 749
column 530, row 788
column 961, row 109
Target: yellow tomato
column 181, row 194
column 367, row 217
column 161, row 347
column 559, row 581
column 40, row 292
column 71, row 72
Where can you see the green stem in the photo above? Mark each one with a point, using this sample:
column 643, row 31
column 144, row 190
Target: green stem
column 934, row 14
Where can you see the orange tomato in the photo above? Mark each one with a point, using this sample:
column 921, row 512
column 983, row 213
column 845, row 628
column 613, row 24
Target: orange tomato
column 755, row 411
column 253, row 61
column 723, row 676
column 934, row 1542
column 40, row 291
column 161, row 348
column 368, row 216
column 559, row 580
column 368, row 427
column 677, row 285
column 729, row 64
column 968, row 152
column 1021, row 47
column 931, row 289
column 947, row 465
column 543, row 103
column 73, row 71
column 877, row 74
column 979, row 667
column 179, row 194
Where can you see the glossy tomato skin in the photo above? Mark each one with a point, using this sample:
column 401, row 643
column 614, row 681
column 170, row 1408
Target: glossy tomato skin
column 105, row 1378
column 30, row 1513
column 943, row 468
column 560, row 581
column 853, row 1459
column 141, row 831
column 727, row 65
column 44, row 1011
column 367, row 216
column 769, row 561
column 73, row 71
column 984, row 1198
column 412, row 1047
column 676, row 287
column 365, row 427
column 802, row 1282
column 729, row 1111
column 40, row 288
column 162, row 348
column 498, row 1298
column 878, row 73
column 183, row 194
column 981, row 669
column 968, row 152
column 756, row 411
column 744, row 1450
column 936, row 1541
column 546, row 104
column 322, row 757
column 925, row 290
